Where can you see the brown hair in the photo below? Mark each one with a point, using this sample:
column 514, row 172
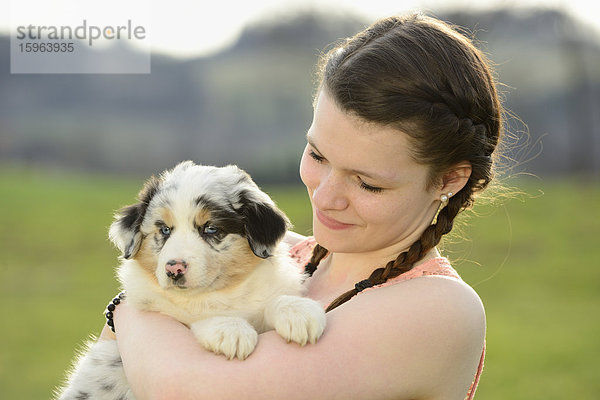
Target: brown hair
column 419, row 75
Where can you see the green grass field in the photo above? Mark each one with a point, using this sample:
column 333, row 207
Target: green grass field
column 534, row 262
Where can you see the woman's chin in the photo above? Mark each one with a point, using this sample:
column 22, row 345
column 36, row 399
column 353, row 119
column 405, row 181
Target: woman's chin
column 335, row 241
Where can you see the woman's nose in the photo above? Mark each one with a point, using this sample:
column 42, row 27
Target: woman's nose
column 330, row 194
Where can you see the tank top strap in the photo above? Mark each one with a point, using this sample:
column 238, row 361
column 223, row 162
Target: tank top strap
column 438, row 266
column 301, row 253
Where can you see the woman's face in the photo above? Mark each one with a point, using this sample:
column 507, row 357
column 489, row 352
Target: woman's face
column 366, row 191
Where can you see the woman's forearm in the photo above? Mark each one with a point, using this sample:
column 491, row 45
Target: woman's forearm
column 142, row 340
column 163, row 360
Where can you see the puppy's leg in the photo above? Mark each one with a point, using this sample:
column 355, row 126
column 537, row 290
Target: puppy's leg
column 98, row 374
column 296, row 319
column 230, row 336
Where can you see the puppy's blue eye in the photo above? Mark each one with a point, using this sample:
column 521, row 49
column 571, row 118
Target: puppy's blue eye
column 210, row 230
column 165, row 231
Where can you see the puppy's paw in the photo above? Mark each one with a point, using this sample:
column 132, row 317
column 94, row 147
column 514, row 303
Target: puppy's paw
column 230, row 336
column 296, row 319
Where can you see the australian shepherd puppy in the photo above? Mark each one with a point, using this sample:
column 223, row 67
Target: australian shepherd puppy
column 203, row 245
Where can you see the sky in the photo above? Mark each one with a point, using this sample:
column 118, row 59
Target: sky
column 184, row 28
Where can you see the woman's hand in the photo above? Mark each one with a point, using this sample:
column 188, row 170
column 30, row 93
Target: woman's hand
column 107, row 334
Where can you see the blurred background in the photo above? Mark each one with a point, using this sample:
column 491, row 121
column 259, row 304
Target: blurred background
column 235, row 86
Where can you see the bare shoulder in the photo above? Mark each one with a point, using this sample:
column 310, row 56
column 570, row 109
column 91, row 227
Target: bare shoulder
column 445, row 300
column 426, row 327
column 440, row 299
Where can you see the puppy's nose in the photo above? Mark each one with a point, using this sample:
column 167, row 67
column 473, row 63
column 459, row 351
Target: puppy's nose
column 176, row 268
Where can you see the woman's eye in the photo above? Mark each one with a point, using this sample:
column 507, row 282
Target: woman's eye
column 210, row 230
column 369, row 188
column 165, row 230
column 316, row 157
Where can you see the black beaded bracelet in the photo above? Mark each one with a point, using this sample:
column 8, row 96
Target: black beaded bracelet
column 110, row 308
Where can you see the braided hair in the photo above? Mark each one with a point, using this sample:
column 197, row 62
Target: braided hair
column 421, row 76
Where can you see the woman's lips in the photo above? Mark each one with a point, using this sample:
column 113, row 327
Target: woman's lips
column 330, row 222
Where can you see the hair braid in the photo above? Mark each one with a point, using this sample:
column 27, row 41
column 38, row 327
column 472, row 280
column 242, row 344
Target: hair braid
column 405, row 260
column 319, row 252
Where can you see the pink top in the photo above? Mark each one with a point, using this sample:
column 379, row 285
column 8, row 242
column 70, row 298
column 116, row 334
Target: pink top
column 302, row 252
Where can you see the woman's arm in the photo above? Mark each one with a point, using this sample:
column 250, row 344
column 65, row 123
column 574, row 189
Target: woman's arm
column 107, row 334
column 421, row 338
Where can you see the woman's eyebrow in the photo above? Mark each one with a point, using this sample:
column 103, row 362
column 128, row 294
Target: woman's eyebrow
column 369, row 175
column 312, row 143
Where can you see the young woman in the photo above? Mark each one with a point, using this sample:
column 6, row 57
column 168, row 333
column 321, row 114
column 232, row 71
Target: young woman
column 405, row 125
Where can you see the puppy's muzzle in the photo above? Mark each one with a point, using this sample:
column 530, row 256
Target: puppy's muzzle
column 176, row 269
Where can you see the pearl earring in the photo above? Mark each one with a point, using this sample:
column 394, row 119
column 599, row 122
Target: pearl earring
column 445, row 197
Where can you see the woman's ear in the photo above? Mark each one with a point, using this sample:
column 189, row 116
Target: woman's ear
column 456, row 178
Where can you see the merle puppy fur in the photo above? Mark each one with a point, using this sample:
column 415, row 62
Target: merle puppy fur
column 203, row 245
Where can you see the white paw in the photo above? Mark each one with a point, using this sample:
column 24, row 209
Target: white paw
column 230, row 336
column 296, row 319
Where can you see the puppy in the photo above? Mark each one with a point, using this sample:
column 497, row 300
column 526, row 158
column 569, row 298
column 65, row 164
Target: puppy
column 203, row 245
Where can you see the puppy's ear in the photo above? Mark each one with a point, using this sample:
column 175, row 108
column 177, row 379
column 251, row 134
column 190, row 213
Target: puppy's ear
column 264, row 224
column 125, row 230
